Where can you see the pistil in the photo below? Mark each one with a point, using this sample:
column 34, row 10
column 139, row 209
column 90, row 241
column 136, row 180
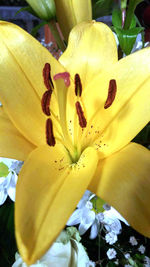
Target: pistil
column 62, row 83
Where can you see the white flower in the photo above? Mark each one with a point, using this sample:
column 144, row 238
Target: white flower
column 90, row 264
column 16, row 166
column 8, row 187
column 146, row 261
column 133, row 241
column 64, row 251
column 111, row 238
column 8, row 183
column 116, row 262
column 114, row 214
column 112, row 224
column 86, row 217
column 127, row 255
column 111, row 253
column 141, row 249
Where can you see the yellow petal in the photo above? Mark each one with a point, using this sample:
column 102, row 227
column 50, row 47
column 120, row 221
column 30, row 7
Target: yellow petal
column 116, row 126
column 69, row 13
column 91, row 49
column 123, row 180
column 12, row 143
column 48, row 191
column 22, row 59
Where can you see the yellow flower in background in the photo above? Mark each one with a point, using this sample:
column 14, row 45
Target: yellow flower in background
column 92, row 107
column 71, row 12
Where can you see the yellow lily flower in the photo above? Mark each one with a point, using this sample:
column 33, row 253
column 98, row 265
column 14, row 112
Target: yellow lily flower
column 92, row 107
column 71, row 12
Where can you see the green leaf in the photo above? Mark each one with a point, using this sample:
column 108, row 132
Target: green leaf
column 133, row 22
column 27, row 9
column 4, row 171
column 127, row 38
column 98, row 204
column 101, row 7
column 36, row 28
column 117, row 19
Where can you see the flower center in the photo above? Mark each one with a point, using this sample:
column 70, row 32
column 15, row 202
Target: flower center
column 62, row 82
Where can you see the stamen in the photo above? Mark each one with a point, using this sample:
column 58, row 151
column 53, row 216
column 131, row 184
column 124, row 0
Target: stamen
column 47, row 77
column 111, row 93
column 82, row 119
column 78, row 85
column 50, row 139
column 45, row 102
column 63, row 75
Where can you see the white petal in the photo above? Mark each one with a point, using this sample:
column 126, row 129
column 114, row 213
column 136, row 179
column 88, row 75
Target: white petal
column 82, row 257
column 11, row 190
column 16, row 166
column 6, row 181
column 115, row 214
column 94, row 231
column 2, row 181
column 75, row 217
column 111, row 238
column 58, row 255
column 111, row 253
column 18, row 262
column 84, row 199
column 88, row 218
column 3, row 196
column 6, row 161
column 114, row 226
column 83, row 228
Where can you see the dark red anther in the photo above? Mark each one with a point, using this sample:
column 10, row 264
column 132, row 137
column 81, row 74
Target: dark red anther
column 111, row 93
column 78, row 85
column 50, row 139
column 45, row 102
column 47, row 77
column 82, row 119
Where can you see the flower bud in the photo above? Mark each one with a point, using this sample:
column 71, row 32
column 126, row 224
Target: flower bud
column 65, row 250
column 44, row 9
column 71, row 12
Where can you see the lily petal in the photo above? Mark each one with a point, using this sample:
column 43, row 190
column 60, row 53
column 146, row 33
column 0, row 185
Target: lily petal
column 91, row 49
column 75, row 11
column 47, row 179
column 25, row 58
column 123, row 181
column 12, row 143
column 116, row 126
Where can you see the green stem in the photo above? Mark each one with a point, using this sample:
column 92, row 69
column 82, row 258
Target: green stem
column 123, row 4
column 120, row 52
column 130, row 13
column 55, row 33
